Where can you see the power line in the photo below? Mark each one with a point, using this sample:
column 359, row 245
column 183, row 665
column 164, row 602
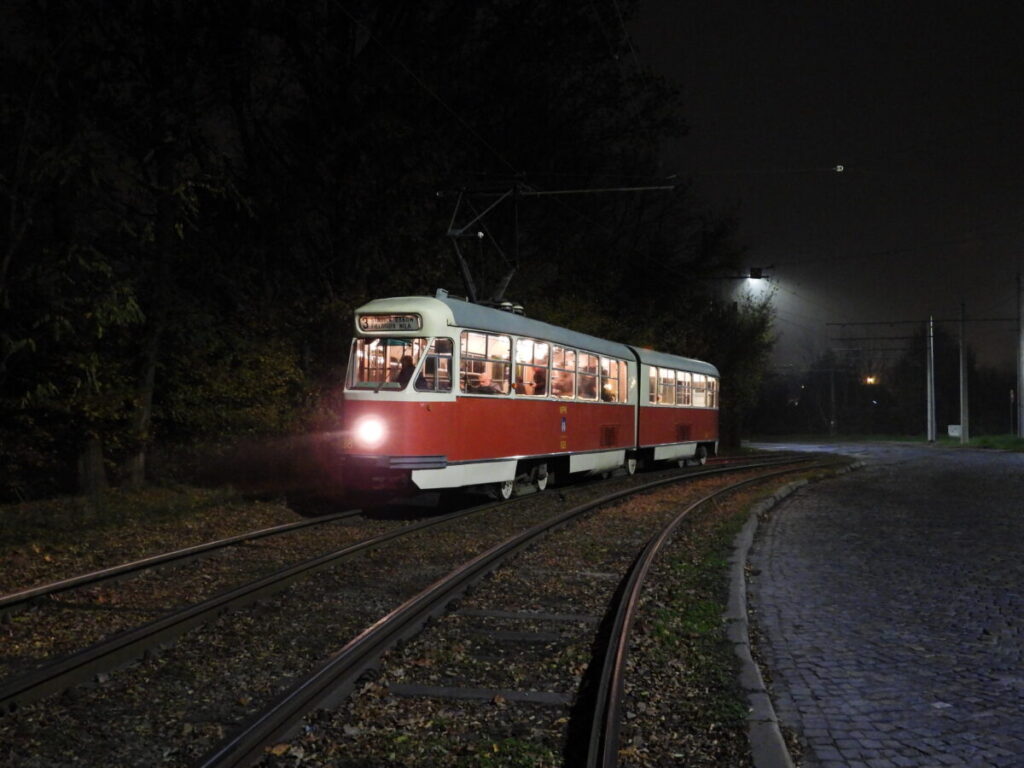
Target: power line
column 921, row 322
column 878, row 338
column 626, row 36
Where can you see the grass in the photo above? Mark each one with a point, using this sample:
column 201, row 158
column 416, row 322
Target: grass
column 1000, row 442
column 53, row 520
column 509, row 752
column 706, row 709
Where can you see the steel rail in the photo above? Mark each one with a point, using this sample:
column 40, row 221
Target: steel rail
column 603, row 745
column 123, row 647
column 338, row 675
column 17, row 600
column 132, row 643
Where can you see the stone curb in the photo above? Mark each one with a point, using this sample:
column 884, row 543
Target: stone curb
column 766, row 743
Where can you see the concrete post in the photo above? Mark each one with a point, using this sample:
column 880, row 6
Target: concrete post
column 931, row 379
column 964, row 426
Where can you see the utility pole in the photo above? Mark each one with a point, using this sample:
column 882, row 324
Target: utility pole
column 1020, row 360
column 964, row 426
column 832, row 398
column 931, row 379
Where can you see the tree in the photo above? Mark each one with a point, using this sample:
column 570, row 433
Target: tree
column 197, row 193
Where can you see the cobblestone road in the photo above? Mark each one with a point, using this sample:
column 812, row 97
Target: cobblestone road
column 891, row 603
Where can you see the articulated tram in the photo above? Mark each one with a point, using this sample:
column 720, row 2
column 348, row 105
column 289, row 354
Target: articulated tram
column 442, row 393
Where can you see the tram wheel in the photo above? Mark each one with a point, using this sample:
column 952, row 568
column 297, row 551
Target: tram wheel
column 542, row 478
column 504, row 490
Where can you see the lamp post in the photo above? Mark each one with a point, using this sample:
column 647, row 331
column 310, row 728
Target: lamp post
column 931, row 380
column 964, row 426
column 1020, row 360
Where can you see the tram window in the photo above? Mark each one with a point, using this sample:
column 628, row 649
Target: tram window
column 485, row 367
column 699, row 391
column 712, row 392
column 436, row 375
column 588, row 366
column 623, row 381
column 652, row 391
column 532, row 359
column 684, row 387
column 611, row 380
column 666, row 386
column 563, row 372
column 383, row 363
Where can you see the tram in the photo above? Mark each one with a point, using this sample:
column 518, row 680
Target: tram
column 442, row 393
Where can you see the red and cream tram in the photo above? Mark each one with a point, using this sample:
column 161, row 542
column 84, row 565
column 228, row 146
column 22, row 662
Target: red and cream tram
column 442, row 393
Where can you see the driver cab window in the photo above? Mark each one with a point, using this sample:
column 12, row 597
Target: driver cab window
column 384, row 363
column 436, row 374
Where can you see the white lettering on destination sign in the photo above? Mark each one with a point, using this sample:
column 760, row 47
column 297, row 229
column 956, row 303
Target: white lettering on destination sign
column 390, row 322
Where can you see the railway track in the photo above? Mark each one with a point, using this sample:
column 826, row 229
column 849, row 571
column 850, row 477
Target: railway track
column 21, row 599
column 340, row 674
column 356, row 656
column 128, row 645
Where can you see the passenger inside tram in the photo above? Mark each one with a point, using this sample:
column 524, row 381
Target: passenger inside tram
column 484, row 386
column 563, row 384
column 540, row 381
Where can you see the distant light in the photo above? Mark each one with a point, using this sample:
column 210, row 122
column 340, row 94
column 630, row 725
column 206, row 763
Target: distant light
column 871, row 380
column 839, row 168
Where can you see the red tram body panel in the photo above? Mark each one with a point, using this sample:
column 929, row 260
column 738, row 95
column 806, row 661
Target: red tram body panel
column 659, row 427
column 442, row 393
column 471, row 429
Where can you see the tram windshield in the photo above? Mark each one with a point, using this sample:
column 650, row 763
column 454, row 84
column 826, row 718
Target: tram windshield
column 384, row 363
column 390, row 364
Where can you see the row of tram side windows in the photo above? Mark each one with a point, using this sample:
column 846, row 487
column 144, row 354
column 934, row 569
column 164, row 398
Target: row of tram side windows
column 541, row 369
column 436, row 374
column 683, row 388
column 582, row 375
column 485, row 367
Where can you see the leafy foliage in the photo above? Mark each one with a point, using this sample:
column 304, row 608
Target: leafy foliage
column 197, row 196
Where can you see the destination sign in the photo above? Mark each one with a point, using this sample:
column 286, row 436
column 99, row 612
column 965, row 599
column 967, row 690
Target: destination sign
column 372, row 323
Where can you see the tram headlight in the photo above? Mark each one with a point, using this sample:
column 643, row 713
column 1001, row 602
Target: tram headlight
column 369, row 432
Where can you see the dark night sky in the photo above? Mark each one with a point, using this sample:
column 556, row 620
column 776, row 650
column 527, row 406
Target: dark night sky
column 922, row 103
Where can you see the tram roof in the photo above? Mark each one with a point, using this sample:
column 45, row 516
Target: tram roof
column 465, row 314
column 665, row 360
